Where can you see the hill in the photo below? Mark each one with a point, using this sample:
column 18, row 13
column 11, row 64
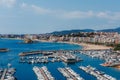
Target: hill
column 64, row 32
column 110, row 30
column 71, row 31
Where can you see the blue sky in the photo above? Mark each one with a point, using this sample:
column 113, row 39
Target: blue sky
column 42, row 16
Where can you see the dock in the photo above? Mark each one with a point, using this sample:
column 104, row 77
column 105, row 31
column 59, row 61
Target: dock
column 70, row 74
column 7, row 74
column 48, row 52
column 111, row 58
column 30, row 53
column 43, row 73
column 3, row 75
column 50, row 57
column 96, row 73
column 69, row 58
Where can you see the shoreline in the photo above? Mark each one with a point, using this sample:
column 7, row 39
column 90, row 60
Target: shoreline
column 85, row 46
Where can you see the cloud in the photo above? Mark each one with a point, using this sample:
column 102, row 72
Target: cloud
column 109, row 15
column 73, row 14
column 41, row 10
column 7, row 3
column 92, row 14
column 23, row 5
column 36, row 9
column 77, row 14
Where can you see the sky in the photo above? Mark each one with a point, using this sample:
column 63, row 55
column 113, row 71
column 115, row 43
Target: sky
column 44, row 16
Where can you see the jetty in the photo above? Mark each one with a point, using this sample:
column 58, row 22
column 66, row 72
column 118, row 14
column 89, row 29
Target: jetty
column 50, row 56
column 30, row 53
column 3, row 75
column 96, row 73
column 69, row 74
column 7, row 74
column 47, row 52
column 69, row 58
column 111, row 58
column 43, row 73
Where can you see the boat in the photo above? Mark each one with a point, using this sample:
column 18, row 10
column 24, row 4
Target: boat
column 4, row 49
column 70, row 74
column 96, row 73
column 42, row 73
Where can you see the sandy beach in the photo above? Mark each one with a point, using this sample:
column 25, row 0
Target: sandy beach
column 118, row 67
column 93, row 47
column 87, row 46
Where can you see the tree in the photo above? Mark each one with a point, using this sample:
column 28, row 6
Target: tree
column 117, row 47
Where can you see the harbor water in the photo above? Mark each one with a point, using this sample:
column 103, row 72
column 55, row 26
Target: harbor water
column 24, row 71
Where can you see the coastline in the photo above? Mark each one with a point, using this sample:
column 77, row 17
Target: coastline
column 118, row 67
column 19, row 49
column 85, row 46
column 12, row 38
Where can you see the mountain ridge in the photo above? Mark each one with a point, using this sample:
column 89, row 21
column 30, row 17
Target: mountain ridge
column 64, row 32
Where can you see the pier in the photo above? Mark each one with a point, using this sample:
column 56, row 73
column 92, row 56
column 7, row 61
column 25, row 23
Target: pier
column 67, row 56
column 50, row 57
column 47, row 52
column 43, row 73
column 70, row 74
column 111, row 58
column 3, row 75
column 7, row 74
column 96, row 73
column 30, row 53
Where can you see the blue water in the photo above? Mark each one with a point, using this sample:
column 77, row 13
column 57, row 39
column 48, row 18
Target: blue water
column 25, row 72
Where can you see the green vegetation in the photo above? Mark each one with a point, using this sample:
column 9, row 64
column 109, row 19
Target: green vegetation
column 117, row 47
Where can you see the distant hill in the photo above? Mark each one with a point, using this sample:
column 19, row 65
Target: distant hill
column 71, row 31
column 64, row 32
column 110, row 30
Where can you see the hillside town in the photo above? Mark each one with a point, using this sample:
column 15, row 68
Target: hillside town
column 106, row 38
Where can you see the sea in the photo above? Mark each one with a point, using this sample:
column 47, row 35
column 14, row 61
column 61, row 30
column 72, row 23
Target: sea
column 25, row 72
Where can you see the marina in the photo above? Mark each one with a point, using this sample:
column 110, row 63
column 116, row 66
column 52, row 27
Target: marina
column 43, row 73
column 112, row 59
column 60, row 40
column 7, row 74
column 51, row 56
column 49, row 52
column 98, row 74
column 70, row 74
column 52, row 65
